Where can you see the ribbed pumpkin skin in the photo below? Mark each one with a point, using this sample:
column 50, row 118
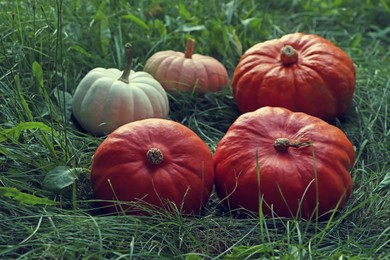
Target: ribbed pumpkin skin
column 299, row 172
column 187, row 72
column 121, row 165
column 320, row 83
column 102, row 103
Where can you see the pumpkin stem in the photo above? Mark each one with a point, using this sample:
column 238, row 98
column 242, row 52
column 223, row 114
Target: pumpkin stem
column 288, row 55
column 282, row 144
column 127, row 70
column 155, row 156
column 190, row 46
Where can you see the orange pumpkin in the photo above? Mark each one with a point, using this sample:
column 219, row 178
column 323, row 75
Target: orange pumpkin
column 187, row 71
column 297, row 164
column 154, row 161
column 301, row 72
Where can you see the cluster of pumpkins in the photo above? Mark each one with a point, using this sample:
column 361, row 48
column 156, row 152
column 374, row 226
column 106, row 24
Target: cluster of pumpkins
column 280, row 157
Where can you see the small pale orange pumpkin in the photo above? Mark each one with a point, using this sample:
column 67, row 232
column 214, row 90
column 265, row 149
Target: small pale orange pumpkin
column 187, row 71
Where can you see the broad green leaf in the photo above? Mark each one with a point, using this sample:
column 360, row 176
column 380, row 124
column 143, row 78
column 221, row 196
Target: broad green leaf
column 14, row 132
column 250, row 252
column 24, row 198
column 57, row 179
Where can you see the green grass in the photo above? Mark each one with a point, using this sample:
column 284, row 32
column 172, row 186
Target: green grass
column 46, row 47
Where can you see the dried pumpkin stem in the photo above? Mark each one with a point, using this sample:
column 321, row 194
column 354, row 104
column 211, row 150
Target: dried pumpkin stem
column 155, row 156
column 190, row 46
column 282, row 144
column 288, row 55
column 129, row 57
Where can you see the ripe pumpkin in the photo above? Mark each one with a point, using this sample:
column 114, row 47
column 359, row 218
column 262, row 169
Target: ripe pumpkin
column 293, row 161
column 187, row 71
column 108, row 98
column 154, row 161
column 301, row 72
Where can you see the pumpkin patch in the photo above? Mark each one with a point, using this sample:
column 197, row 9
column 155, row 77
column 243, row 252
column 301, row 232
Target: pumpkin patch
column 301, row 72
column 290, row 163
column 156, row 162
column 274, row 159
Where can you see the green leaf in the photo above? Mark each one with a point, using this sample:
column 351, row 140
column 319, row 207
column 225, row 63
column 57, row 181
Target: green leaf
column 160, row 27
column 191, row 28
column 236, row 42
column 80, row 50
column 136, row 20
column 61, row 177
column 230, row 10
column 38, row 73
column 184, row 12
column 64, row 100
column 251, row 252
column 356, row 40
column 24, row 198
column 14, row 132
column 385, row 5
column 22, row 99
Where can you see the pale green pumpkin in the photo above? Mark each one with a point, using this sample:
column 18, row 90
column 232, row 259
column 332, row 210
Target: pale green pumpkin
column 108, row 98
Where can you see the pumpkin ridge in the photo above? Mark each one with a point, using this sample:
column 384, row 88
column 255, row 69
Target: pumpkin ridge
column 177, row 78
column 183, row 78
column 263, row 49
column 152, row 65
column 289, row 90
column 241, row 92
column 326, row 92
column 87, row 106
column 208, row 72
column 344, row 68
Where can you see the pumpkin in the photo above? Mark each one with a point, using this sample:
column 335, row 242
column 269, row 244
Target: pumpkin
column 152, row 162
column 290, row 163
column 108, row 98
column 301, row 72
column 187, row 71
